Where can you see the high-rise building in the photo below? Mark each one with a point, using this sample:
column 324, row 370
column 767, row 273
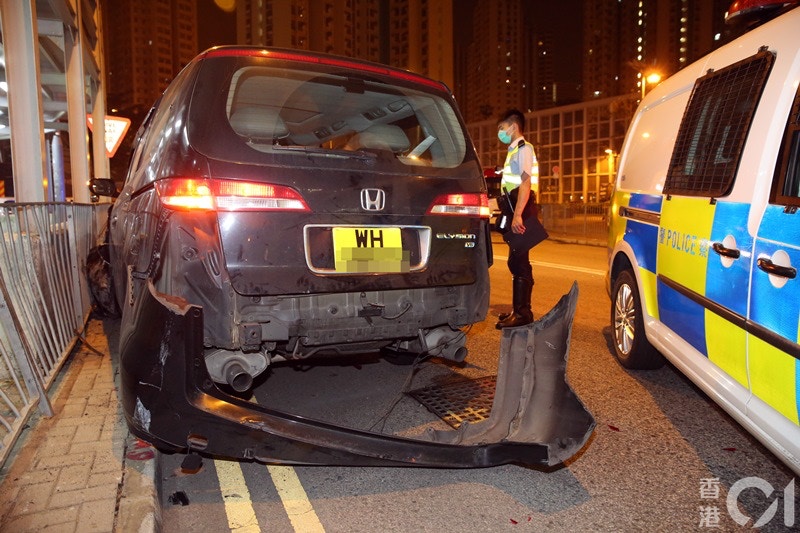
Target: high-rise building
column 625, row 40
column 150, row 41
column 421, row 37
column 510, row 55
column 497, row 70
column 412, row 34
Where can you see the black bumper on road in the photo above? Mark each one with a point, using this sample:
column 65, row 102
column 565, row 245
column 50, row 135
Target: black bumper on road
column 170, row 401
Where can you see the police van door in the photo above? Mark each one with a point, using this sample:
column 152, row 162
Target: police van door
column 704, row 245
column 774, row 320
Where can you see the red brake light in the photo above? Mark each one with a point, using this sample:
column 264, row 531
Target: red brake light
column 466, row 204
column 227, row 195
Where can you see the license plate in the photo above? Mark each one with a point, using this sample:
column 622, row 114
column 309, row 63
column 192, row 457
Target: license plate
column 369, row 250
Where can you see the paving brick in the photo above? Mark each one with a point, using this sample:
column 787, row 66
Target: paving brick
column 74, row 400
column 83, row 385
column 62, row 460
column 49, row 449
column 87, row 433
column 65, row 431
column 32, row 498
column 95, row 447
column 99, row 411
column 73, row 477
column 8, row 496
column 33, row 477
column 114, row 416
column 116, row 437
column 71, row 411
column 97, row 517
column 107, row 461
column 93, row 419
column 92, row 361
column 69, row 498
column 102, row 399
column 58, row 520
column 68, row 421
column 108, row 478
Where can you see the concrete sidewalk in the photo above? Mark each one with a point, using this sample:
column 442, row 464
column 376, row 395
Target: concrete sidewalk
column 81, row 470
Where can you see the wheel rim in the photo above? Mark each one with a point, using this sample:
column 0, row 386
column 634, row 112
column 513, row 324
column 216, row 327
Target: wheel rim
column 624, row 319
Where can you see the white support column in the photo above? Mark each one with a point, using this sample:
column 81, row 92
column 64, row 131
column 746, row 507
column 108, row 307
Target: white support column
column 100, row 159
column 21, row 43
column 101, row 164
column 76, row 110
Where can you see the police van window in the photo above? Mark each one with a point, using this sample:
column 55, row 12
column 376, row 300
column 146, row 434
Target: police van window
column 786, row 185
column 714, row 127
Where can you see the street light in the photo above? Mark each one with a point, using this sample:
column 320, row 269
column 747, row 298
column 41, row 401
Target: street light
column 653, row 79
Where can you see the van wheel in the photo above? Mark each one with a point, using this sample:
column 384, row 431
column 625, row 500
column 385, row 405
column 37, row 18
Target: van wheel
column 631, row 346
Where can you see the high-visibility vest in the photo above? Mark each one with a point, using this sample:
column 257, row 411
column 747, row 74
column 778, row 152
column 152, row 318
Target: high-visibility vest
column 512, row 177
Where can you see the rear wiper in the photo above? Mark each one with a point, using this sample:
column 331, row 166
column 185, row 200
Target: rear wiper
column 324, row 152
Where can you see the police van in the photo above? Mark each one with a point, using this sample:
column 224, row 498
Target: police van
column 704, row 229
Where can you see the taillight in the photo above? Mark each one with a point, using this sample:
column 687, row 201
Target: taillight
column 467, row 204
column 227, row 195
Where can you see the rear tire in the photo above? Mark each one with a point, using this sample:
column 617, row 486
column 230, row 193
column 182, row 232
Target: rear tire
column 101, row 286
column 631, row 347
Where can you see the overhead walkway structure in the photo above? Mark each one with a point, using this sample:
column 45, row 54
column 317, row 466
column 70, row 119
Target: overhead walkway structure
column 51, row 81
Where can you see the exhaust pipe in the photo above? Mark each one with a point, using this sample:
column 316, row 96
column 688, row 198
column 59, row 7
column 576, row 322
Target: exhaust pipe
column 237, row 377
column 446, row 342
column 236, row 368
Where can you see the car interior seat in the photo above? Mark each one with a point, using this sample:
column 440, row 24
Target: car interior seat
column 259, row 124
column 380, row 137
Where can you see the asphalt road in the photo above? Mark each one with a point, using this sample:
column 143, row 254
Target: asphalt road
column 662, row 457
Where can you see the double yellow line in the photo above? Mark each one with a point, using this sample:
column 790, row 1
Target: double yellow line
column 239, row 507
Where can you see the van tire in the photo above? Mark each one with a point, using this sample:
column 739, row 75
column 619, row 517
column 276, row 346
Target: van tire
column 631, row 347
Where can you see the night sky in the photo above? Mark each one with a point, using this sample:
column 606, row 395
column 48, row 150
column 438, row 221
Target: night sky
column 214, row 26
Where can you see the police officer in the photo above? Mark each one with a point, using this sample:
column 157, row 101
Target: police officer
column 519, row 184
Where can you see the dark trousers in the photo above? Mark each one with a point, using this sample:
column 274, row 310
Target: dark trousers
column 519, row 263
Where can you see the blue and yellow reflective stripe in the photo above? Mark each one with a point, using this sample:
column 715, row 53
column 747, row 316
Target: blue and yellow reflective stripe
column 775, row 377
column 681, row 258
column 638, row 226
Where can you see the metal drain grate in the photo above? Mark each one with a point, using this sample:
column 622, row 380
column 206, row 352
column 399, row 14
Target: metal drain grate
column 468, row 400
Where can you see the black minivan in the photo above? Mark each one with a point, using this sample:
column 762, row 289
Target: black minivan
column 285, row 205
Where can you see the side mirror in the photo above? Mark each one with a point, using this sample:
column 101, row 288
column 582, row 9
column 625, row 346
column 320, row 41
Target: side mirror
column 103, row 187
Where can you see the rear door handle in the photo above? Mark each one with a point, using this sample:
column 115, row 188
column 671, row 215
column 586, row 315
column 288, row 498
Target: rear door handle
column 733, row 253
column 776, row 270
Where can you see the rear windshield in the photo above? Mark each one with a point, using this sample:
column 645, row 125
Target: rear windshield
column 251, row 107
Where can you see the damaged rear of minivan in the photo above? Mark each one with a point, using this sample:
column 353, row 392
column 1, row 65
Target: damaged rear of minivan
column 291, row 206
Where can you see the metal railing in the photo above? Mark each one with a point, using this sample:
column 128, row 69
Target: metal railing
column 581, row 223
column 44, row 301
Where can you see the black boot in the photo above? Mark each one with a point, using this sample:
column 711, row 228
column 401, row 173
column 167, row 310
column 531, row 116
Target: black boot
column 522, row 314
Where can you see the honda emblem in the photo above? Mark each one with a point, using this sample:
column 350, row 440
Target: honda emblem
column 373, row 199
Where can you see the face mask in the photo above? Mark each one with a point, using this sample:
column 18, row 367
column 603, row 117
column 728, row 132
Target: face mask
column 504, row 137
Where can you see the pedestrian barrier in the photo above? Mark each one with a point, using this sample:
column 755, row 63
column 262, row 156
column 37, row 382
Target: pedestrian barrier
column 44, row 301
column 583, row 223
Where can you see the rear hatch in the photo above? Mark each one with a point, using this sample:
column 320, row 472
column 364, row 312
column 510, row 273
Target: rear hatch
column 335, row 176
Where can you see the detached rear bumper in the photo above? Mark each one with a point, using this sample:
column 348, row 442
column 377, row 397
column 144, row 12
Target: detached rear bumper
column 170, row 401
